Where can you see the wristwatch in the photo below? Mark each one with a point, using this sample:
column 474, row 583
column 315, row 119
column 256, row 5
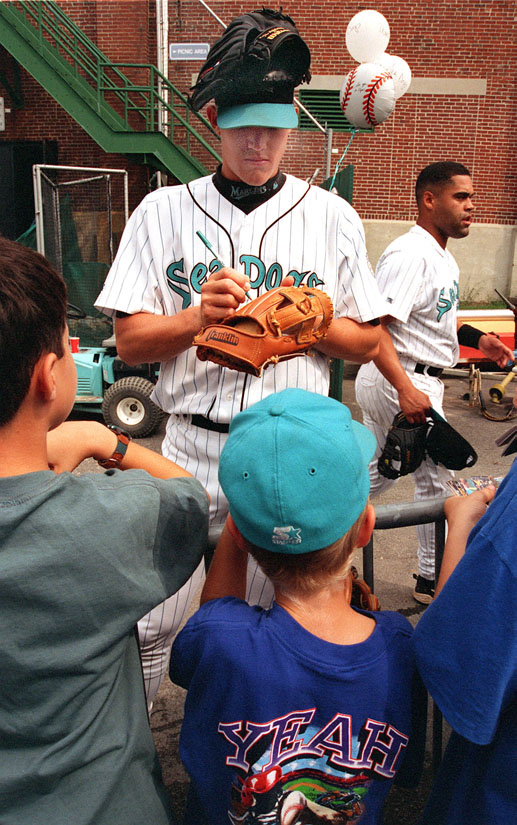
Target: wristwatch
column 120, row 450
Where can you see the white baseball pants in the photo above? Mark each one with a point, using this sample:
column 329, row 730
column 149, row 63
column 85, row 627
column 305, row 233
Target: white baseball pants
column 198, row 451
column 379, row 403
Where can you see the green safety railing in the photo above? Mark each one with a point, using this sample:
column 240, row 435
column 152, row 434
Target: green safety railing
column 150, row 104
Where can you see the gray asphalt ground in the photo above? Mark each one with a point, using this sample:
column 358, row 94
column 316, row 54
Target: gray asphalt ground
column 394, row 563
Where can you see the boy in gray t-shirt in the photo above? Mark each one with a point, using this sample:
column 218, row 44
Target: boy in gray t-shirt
column 82, row 558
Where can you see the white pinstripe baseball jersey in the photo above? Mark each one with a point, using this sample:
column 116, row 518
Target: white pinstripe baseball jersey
column 301, row 231
column 159, row 268
column 420, row 282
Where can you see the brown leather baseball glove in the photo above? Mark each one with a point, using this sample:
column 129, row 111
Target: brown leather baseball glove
column 362, row 596
column 280, row 324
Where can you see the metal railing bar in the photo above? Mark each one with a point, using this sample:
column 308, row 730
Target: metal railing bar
column 408, row 514
column 309, row 115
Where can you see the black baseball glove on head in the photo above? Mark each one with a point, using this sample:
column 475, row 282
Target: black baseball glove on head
column 260, row 58
column 404, row 450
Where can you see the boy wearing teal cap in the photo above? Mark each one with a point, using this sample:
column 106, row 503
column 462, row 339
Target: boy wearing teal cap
column 299, row 713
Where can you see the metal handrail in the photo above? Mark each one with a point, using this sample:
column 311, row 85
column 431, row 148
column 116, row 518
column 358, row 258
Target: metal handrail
column 69, row 37
column 153, row 100
column 388, row 517
column 408, row 514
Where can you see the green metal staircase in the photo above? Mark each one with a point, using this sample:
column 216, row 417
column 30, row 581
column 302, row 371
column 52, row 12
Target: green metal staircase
column 136, row 112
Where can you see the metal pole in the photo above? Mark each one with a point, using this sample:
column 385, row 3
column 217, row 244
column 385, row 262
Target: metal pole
column 309, row 115
column 58, row 263
column 207, row 7
column 437, row 745
column 328, row 151
column 368, row 563
column 126, row 197
column 110, row 222
column 162, row 37
column 38, row 209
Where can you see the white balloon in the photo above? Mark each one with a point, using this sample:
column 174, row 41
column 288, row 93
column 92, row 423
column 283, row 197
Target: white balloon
column 367, row 35
column 367, row 95
column 398, row 69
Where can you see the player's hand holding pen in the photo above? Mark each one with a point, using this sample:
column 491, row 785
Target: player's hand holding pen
column 225, row 290
column 221, row 294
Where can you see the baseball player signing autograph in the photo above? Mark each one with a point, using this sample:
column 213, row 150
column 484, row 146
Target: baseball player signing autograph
column 267, row 229
column 419, row 278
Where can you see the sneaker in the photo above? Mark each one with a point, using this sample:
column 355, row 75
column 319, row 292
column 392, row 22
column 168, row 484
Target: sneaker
column 424, row 589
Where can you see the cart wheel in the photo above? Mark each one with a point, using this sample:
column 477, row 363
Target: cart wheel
column 127, row 404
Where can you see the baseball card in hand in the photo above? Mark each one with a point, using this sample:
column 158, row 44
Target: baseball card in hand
column 466, row 486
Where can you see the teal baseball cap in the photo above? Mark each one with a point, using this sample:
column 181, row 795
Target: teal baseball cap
column 295, row 471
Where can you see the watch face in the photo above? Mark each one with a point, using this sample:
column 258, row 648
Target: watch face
column 109, row 463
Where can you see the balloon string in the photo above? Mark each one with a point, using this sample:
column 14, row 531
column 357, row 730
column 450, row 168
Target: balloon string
column 341, row 159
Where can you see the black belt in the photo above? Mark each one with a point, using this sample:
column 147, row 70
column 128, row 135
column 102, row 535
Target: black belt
column 206, row 424
column 423, row 369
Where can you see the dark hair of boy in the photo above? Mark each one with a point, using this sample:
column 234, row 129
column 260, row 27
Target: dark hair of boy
column 437, row 174
column 33, row 304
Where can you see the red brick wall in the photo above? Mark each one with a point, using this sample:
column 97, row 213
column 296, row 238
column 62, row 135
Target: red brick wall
column 475, row 39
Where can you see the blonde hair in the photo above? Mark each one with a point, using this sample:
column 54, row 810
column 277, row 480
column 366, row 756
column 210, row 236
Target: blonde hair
column 305, row 573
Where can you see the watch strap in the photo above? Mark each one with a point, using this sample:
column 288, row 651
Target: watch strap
column 119, row 452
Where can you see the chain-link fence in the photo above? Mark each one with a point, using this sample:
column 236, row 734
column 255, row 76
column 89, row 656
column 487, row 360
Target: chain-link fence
column 80, row 215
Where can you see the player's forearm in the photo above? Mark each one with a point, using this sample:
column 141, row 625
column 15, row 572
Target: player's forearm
column 227, row 573
column 493, row 347
column 388, row 363
column 147, row 338
column 413, row 402
column 350, row 340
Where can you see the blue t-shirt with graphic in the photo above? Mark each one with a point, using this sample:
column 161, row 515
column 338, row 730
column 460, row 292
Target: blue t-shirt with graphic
column 280, row 723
